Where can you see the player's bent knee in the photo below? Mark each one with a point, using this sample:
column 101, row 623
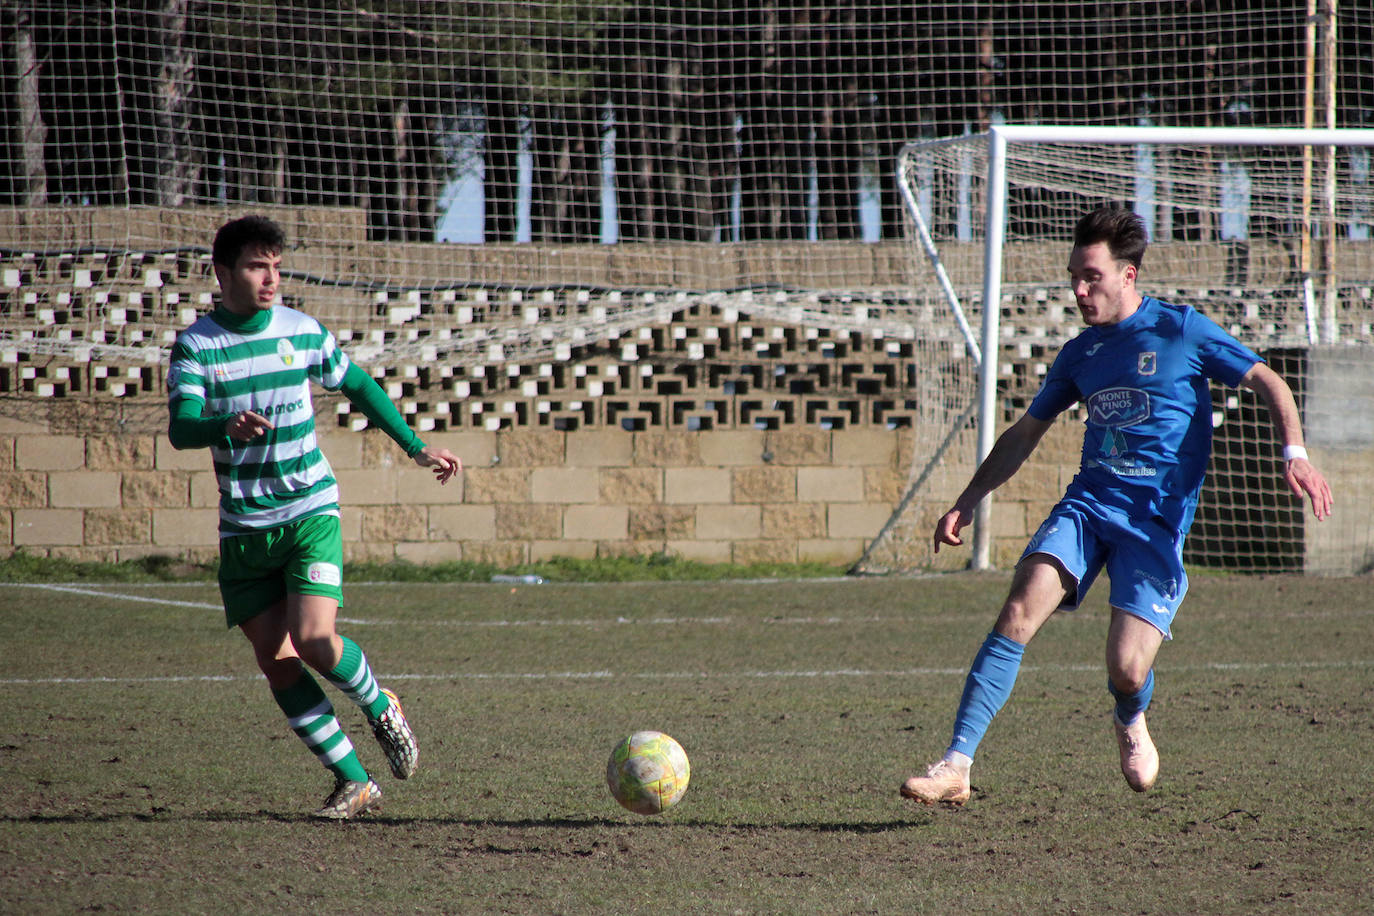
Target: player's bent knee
column 1020, row 620
column 1128, row 681
column 317, row 651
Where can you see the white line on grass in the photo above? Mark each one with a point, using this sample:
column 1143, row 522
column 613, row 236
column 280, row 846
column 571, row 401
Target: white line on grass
column 572, row 622
column 96, row 592
column 621, row 621
column 114, row 596
column 698, row 675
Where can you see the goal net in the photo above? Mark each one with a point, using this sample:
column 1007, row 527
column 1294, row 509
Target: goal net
column 1265, row 232
column 572, row 214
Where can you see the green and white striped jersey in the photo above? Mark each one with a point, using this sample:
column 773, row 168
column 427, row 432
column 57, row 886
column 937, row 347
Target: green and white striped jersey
column 264, row 363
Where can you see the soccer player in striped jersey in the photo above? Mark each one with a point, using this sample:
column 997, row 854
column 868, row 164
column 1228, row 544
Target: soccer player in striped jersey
column 239, row 385
column 1141, row 367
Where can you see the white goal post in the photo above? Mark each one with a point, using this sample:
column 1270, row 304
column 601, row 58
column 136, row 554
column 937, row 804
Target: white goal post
column 1300, row 191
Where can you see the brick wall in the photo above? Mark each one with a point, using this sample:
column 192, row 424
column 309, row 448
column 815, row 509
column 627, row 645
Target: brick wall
column 793, row 495
column 798, row 495
column 722, row 496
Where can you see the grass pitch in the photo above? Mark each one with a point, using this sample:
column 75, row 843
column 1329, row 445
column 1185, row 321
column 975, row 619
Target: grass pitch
column 148, row 769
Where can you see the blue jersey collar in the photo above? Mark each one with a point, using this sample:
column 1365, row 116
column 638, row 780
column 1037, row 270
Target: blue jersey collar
column 1147, row 303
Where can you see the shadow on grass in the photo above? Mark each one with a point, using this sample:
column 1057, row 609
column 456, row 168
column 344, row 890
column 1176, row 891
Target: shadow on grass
column 546, row 823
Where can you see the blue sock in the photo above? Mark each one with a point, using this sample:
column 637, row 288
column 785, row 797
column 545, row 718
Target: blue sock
column 987, row 687
column 1130, row 705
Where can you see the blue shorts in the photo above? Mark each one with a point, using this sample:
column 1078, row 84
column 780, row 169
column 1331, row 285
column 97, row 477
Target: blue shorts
column 1144, row 560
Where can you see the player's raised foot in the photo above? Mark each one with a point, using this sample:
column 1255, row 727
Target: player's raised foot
column 1139, row 758
column 349, row 799
column 397, row 740
column 944, row 783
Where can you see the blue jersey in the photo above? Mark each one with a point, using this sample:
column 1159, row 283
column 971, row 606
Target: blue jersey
column 1144, row 381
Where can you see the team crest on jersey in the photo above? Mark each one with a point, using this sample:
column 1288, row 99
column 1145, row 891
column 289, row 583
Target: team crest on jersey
column 1147, row 363
column 286, row 352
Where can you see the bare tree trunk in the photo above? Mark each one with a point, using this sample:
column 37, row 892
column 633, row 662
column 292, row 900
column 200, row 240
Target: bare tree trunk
column 760, row 187
column 277, row 166
column 429, row 168
column 676, row 157
column 987, row 69
column 178, row 169
column 567, row 175
column 567, row 179
column 719, row 164
column 721, row 161
column 33, row 133
column 503, row 143
column 587, row 169
column 701, row 220
column 640, row 208
column 407, row 196
column 686, row 176
column 554, row 153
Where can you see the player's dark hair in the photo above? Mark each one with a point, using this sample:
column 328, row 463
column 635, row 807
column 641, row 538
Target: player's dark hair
column 247, row 231
column 1122, row 230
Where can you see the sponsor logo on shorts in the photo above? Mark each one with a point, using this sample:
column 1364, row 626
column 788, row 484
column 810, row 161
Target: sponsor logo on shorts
column 323, row 574
column 1048, row 527
column 1166, row 587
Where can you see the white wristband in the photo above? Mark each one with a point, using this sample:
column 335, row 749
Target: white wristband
column 1294, row 451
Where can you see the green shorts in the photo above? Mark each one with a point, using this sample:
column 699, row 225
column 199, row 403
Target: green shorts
column 258, row 570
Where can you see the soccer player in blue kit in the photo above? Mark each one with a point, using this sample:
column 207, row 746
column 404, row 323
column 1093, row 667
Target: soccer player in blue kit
column 1141, row 367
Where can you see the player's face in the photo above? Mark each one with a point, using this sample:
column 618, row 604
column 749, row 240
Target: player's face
column 251, row 284
column 1103, row 287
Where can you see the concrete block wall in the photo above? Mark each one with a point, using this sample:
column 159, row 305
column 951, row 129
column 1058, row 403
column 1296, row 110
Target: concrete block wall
column 725, row 496
column 734, row 496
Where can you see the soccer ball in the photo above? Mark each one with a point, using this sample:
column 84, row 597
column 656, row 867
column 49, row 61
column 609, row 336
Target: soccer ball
column 648, row 772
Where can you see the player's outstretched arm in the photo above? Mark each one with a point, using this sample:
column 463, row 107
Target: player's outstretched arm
column 445, row 464
column 1299, row 473
column 1010, row 451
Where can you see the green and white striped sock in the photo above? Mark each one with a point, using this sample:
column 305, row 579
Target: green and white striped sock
column 354, row 677
column 311, row 717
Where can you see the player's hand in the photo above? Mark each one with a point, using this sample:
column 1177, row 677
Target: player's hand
column 246, row 426
column 445, row 463
column 948, row 527
column 1305, row 480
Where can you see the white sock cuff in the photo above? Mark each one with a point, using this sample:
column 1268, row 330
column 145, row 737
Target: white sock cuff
column 959, row 759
